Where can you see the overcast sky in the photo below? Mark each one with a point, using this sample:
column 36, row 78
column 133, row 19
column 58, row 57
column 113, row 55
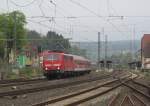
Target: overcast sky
column 82, row 19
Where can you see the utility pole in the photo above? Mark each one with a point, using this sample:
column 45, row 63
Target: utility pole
column 15, row 37
column 99, row 50
column 102, row 53
column 106, row 48
column 53, row 18
column 134, row 49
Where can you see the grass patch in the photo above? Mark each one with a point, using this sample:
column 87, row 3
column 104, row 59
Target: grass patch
column 25, row 73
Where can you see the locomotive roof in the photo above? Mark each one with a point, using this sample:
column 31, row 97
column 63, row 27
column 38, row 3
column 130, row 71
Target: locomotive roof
column 76, row 57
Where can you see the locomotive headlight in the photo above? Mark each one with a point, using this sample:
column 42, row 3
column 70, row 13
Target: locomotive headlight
column 46, row 68
column 48, row 65
column 58, row 68
column 57, row 65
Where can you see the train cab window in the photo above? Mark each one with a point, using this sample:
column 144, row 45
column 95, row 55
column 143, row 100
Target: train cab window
column 52, row 57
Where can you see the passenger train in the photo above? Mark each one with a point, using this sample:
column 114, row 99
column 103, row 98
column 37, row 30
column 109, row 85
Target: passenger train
column 56, row 63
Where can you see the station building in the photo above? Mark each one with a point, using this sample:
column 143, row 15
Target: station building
column 145, row 51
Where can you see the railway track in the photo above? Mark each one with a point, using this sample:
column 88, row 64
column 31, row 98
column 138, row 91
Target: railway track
column 137, row 90
column 137, row 101
column 114, row 100
column 142, row 87
column 127, row 101
column 132, row 99
column 17, row 82
column 140, row 84
column 7, row 83
column 49, row 87
column 77, row 98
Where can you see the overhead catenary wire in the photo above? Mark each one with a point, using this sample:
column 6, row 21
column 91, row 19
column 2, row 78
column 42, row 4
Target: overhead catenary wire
column 47, row 18
column 94, row 13
column 50, row 19
column 108, row 7
column 69, row 17
column 89, row 16
column 132, row 37
column 43, row 14
column 18, row 5
column 7, row 2
column 32, row 39
column 44, row 25
column 75, row 17
column 86, row 17
column 41, row 2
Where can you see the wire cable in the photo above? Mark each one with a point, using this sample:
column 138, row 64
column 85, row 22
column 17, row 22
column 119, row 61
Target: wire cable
column 84, row 7
column 44, row 25
column 7, row 2
column 40, row 7
column 18, row 5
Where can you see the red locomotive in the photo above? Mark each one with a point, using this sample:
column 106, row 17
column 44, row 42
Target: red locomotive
column 61, row 64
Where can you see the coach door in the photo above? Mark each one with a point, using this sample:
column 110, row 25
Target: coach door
column 68, row 63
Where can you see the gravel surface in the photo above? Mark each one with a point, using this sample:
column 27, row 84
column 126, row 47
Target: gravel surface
column 102, row 100
column 53, row 82
column 144, row 80
column 106, row 98
column 122, row 91
column 141, row 88
column 28, row 99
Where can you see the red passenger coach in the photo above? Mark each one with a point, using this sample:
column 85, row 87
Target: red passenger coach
column 62, row 64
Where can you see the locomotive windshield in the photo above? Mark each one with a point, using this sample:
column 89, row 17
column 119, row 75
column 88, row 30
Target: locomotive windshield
column 52, row 57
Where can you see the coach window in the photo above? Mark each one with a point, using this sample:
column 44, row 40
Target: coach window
column 68, row 58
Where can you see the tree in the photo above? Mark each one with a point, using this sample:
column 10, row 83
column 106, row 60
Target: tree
column 77, row 51
column 52, row 41
column 2, row 43
column 122, row 59
column 56, row 41
column 7, row 32
column 34, row 38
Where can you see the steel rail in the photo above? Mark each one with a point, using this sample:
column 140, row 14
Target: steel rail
column 49, row 87
column 94, row 96
column 82, row 92
column 143, row 85
column 71, row 95
column 138, row 99
column 127, row 100
column 18, row 80
column 138, row 91
column 22, row 82
column 113, row 100
column 99, row 94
